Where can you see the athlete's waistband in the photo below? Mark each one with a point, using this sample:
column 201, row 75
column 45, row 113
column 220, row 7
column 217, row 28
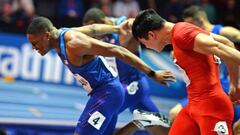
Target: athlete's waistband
column 103, row 85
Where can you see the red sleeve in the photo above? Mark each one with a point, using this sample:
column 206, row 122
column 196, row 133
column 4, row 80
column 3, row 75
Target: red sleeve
column 184, row 35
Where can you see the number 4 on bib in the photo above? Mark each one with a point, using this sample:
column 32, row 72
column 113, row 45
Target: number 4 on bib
column 96, row 120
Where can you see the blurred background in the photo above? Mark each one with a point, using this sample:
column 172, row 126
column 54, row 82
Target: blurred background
column 39, row 96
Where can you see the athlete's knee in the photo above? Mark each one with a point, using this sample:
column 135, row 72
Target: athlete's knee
column 174, row 112
column 236, row 127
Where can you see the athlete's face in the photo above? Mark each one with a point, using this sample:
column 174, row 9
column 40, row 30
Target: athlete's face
column 40, row 42
column 154, row 41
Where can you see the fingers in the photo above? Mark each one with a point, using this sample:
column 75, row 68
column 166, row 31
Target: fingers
column 165, row 83
column 169, row 77
column 172, row 79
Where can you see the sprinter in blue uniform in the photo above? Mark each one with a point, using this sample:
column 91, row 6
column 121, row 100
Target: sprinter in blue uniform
column 79, row 53
column 134, row 81
column 197, row 16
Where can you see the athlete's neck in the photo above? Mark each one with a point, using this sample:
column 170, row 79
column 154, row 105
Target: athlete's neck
column 168, row 26
column 54, row 39
column 207, row 26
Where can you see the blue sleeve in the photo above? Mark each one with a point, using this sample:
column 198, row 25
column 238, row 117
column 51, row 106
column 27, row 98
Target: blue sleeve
column 184, row 102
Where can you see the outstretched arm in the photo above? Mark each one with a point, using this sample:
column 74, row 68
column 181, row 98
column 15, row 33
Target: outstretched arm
column 85, row 45
column 223, row 48
column 206, row 44
column 97, row 29
column 231, row 33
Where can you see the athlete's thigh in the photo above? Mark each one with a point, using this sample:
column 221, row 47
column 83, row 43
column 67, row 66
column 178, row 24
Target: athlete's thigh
column 236, row 113
column 98, row 113
column 111, row 126
column 236, row 127
column 145, row 104
column 143, row 100
column 184, row 124
column 135, row 92
column 214, row 126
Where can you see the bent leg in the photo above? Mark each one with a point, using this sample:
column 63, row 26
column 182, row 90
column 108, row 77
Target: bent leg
column 214, row 126
column 158, row 130
column 184, row 124
column 128, row 129
column 236, row 128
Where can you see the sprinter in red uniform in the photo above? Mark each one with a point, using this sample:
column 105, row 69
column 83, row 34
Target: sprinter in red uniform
column 209, row 111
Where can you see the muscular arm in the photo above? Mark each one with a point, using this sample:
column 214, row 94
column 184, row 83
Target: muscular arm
column 232, row 68
column 81, row 44
column 223, row 40
column 85, row 45
column 231, row 33
column 209, row 45
column 206, row 44
column 95, row 30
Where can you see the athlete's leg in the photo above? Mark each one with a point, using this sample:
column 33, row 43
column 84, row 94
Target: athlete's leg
column 236, row 127
column 214, row 115
column 145, row 103
column 100, row 111
column 128, row 129
column 236, row 113
column 136, row 92
column 176, row 109
column 214, row 126
column 236, row 120
column 184, row 124
column 158, row 130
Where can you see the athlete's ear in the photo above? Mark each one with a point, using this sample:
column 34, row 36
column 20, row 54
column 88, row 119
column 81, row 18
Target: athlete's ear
column 151, row 35
column 48, row 35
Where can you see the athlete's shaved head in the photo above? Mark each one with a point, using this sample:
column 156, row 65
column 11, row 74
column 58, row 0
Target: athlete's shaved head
column 40, row 24
column 94, row 14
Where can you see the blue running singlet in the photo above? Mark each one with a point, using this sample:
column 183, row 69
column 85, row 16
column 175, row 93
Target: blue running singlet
column 99, row 116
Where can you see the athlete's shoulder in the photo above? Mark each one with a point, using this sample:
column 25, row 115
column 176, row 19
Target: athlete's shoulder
column 183, row 26
column 184, row 34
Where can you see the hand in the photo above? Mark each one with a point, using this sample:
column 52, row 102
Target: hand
column 163, row 76
column 125, row 28
column 234, row 94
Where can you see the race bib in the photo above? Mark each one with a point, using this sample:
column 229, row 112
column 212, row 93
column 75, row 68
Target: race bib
column 96, row 120
column 217, row 60
column 111, row 66
column 221, row 128
column 132, row 88
column 112, row 63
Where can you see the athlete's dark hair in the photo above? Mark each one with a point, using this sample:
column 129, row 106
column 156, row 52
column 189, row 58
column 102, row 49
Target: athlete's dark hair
column 146, row 21
column 94, row 14
column 194, row 12
column 39, row 24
